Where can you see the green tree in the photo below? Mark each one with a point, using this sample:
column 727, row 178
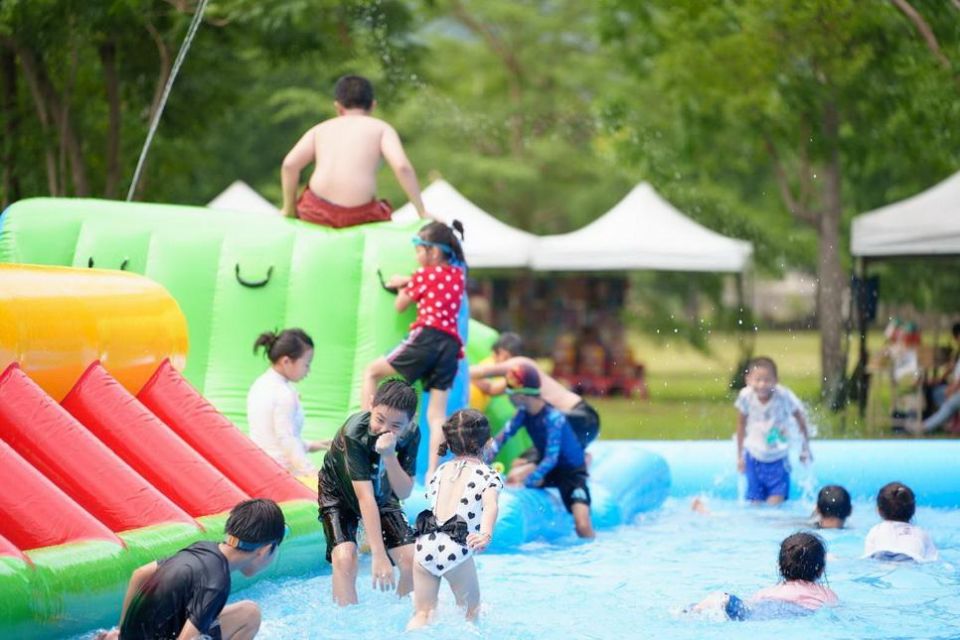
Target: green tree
column 813, row 100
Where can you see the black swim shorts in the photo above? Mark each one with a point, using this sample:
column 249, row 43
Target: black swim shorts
column 572, row 483
column 585, row 422
column 340, row 525
column 429, row 355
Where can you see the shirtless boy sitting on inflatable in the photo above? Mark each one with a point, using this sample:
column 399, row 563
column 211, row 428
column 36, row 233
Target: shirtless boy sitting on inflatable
column 346, row 152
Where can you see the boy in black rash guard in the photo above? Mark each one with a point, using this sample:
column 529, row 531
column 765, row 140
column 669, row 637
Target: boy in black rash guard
column 369, row 468
column 185, row 595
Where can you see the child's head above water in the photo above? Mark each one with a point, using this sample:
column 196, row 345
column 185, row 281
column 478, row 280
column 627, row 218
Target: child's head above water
column 896, row 501
column 803, row 556
column 436, row 242
column 465, row 432
column 290, row 351
column 253, row 525
column 354, row 92
column 394, row 406
column 833, row 506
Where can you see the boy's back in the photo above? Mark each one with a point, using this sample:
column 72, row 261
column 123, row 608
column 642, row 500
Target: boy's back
column 347, row 151
column 191, row 585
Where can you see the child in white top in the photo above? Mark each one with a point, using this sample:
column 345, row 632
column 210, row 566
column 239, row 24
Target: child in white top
column 274, row 413
column 463, row 497
column 764, row 411
column 895, row 538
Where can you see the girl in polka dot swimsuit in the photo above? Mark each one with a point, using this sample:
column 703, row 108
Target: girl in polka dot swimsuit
column 433, row 347
column 463, row 497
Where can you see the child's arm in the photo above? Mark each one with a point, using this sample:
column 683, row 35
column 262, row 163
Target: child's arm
column 392, row 150
column 370, row 514
column 403, row 301
column 491, row 387
column 140, row 575
column 551, row 455
column 805, row 456
column 291, row 445
column 741, row 432
column 189, row 632
column 296, row 159
column 400, row 482
column 493, row 445
column 481, row 540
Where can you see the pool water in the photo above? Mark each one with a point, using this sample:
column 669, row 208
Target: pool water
column 633, row 582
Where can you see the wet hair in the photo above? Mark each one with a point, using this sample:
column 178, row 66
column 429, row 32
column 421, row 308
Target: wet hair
column 291, row 343
column 803, row 556
column 439, row 233
column 833, row 501
column 762, row 362
column 396, row 393
column 896, row 501
column 258, row 521
column 354, row 92
column 466, row 431
column 510, row 342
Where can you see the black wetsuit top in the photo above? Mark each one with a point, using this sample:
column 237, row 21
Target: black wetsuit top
column 193, row 584
column 353, row 457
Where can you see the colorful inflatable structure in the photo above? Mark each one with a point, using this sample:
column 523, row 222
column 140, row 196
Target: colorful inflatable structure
column 109, row 458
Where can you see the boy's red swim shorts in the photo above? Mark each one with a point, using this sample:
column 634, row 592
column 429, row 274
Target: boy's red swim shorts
column 315, row 209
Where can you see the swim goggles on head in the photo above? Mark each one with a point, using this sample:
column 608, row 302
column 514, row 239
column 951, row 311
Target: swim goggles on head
column 523, row 391
column 420, row 242
column 244, row 545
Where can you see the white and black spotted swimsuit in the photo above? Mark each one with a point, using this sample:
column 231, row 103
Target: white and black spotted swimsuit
column 436, row 550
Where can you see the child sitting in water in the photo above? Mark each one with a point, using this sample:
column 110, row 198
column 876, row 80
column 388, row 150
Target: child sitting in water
column 895, row 538
column 803, row 560
column 463, row 497
column 764, row 409
column 833, row 507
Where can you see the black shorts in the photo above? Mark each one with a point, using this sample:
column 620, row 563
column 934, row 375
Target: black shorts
column 340, row 525
column 585, row 422
column 429, row 355
column 572, row 483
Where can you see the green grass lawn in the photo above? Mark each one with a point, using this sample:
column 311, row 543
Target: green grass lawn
column 689, row 398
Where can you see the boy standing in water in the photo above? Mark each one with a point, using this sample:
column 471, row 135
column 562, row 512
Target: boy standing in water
column 764, row 410
column 369, row 468
column 346, row 152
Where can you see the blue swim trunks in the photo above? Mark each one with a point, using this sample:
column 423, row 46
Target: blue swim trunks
column 765, row 479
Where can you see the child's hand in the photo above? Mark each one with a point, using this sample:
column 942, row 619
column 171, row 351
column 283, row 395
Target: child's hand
column 805, row 456
column 398, row 281
column 386, row 444
column 382, row 572
column 319, row 445
column 479, row 541
column 741, row 465
column 113, row 634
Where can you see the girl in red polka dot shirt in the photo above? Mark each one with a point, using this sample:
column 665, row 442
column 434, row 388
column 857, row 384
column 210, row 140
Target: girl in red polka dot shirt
column 431, row 350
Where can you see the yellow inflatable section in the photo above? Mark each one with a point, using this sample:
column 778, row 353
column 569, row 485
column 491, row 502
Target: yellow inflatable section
column 55, row 321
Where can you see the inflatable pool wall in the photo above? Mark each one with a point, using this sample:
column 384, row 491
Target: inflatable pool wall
column 109, row 459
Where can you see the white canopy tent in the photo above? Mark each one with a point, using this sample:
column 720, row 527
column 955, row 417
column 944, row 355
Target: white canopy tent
column 488, row 243
column 926, row 224
column 642, row 231
column 240, row 196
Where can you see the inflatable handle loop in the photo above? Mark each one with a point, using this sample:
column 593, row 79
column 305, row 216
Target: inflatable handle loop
column 383, row 283
column 253, row 284
column 124, row 264
column 90, row 262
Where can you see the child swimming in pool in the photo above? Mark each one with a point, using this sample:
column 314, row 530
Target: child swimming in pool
column 802, row 562
column 463, row 495
column 895, row 538
column 764, row 410
column 833, row 507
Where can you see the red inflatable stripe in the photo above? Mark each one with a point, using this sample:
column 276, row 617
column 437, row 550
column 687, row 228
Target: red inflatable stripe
column 122, row 423
column 9, row 550
column 171, row 398
column 34, row 513
column 64, row 451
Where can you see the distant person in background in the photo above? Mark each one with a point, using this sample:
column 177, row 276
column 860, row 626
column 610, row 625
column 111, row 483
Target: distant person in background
column 833, row 507
column 480, row 308
column 274, row 412
column 895, row 539
column 764, row 411
column 946, row 395
column 507, row 354
column 346, row 152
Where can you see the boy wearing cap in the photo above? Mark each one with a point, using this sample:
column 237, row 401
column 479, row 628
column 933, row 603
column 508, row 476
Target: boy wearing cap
column 185, row 595
column 562, row 462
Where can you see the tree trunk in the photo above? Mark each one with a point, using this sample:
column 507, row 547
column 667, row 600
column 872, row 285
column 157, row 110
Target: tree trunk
column 32, row 75
column 829, row 270
column 9, row 183
column 108, row 59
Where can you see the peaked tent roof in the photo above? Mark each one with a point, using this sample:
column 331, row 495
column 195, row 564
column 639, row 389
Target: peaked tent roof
column 642, row 231
column 240, row 196
column 488, row 243
column 925, row 224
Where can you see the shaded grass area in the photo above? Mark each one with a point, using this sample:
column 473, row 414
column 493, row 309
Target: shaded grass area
column 690, row 397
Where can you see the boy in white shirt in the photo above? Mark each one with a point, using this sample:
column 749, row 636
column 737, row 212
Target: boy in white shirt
column 895, row 538
column 764, row 411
